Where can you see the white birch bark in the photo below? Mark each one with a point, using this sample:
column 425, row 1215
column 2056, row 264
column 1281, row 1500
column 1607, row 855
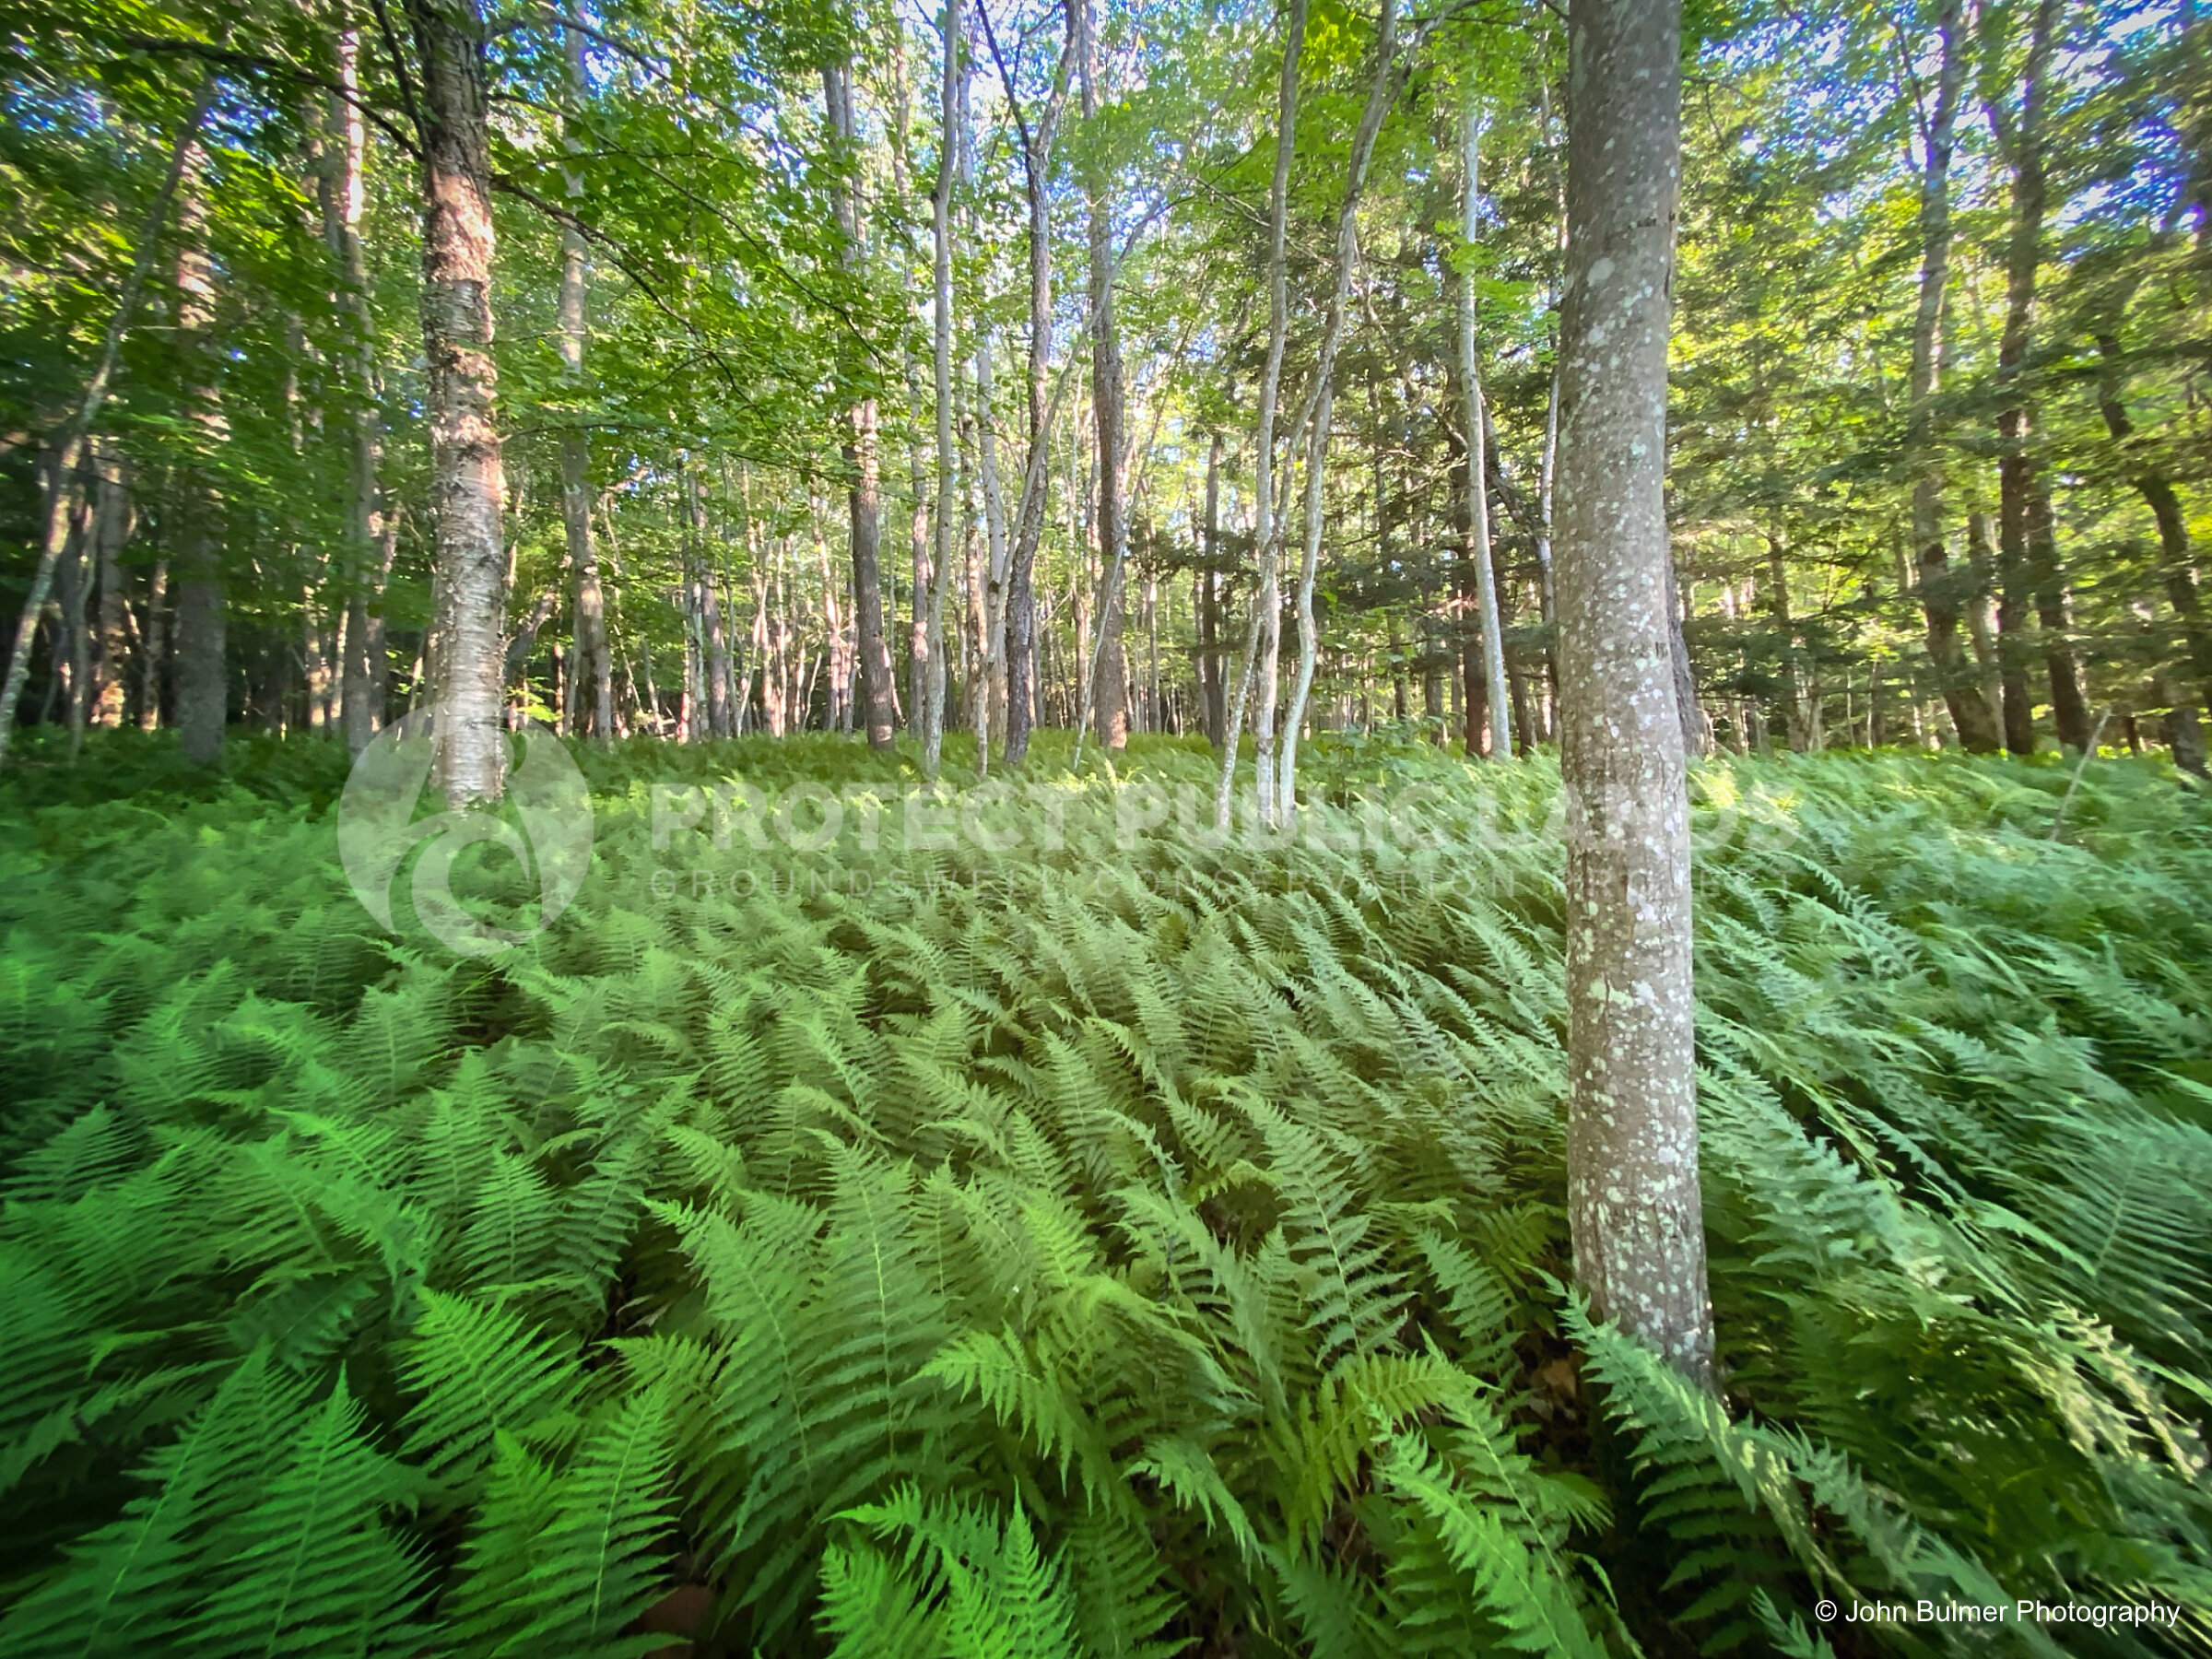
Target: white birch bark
column 1478, row 477
column 1263, row 633
column 1381, row 94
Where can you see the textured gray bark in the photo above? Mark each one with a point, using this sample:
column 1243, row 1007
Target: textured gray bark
column 466, row 485
column 1263, row 633
column 1634, row 1206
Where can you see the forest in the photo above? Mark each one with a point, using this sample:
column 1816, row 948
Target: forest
column 1105, row 827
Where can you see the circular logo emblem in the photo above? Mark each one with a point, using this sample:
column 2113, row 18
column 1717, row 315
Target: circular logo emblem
column 544, row 821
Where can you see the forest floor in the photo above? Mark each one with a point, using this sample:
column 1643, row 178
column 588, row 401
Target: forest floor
column 1012, row 1223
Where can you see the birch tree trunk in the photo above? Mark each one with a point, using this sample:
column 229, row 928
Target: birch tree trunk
column 1261, row 635
column 864, row 494
column 54, row 526
column 1381, row 92
column 1634, row 1206
column 467, row 484
column 1212, row 670
column 1478, row 480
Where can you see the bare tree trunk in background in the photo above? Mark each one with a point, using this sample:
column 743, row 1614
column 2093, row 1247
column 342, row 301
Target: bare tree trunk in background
column 1633, row 1205
column 933, row 699
column 202, row 682
column 112, row 526
column 1939, row 596
column 714, row 643
column 1109, row 689
column 2027, row 554
column 155, row 650
column 1697, row 730
column 2175, row 553
column 1381, row 93
column 917, row 658
column 74, row 659
column 361, row 669
column 575, row 441
column 1263, row 633
column 988, row 591
column 1798, row 720
column 1028, row 522
column 53, row 530
column 865, row 498
column 467, row 483
column 1478, row 483
column 2055, row 617
column 1211, row 668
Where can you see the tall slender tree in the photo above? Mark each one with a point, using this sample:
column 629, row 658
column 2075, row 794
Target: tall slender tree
column 2027, row 537
column 1262, row 634
column 1939, row 599
column 575, row 441
column 862, row 462
column 1634, row 1206
column 1470, row 383
column 1110, row 412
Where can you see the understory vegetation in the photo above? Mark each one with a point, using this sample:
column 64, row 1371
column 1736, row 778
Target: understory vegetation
column 1094, row 1249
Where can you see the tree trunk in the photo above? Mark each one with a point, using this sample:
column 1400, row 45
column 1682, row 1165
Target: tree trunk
column 1634, row 1206
column 54, row 527
column 1381, row 93
column 466, row 484
column 1212, row 670
column 112, row 526
column 864, row 494
column 203, row 683
column 1261, row 635
column 2055, row 618
column 576, row 444
column 2176, row 556
column 1110, row 688
column 1796, row 720
column 1938, row 588
column 1478, row 483
column 156, row 648
column 2016, row 560
column 1028, row 519
column 74, row 660
column 933, row 644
